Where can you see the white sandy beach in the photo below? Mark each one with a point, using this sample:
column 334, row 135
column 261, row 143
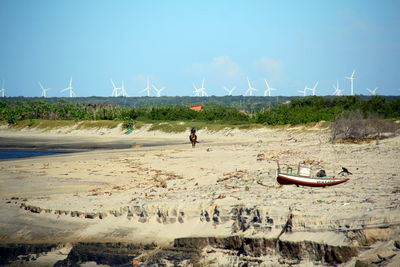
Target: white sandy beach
column 226, row 186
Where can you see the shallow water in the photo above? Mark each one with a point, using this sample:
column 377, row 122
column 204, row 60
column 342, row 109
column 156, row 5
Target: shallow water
column 4, row 155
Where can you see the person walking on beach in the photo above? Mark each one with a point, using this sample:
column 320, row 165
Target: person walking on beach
column 193, row 137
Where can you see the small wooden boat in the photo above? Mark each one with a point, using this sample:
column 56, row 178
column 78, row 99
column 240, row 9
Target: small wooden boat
column 303, row 177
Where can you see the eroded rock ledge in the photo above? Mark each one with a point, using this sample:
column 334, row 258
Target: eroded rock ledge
column 242, row 218
column 194, row 251
column 235, row 250
column 257, row 247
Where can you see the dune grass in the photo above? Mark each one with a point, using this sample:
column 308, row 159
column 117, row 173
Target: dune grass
column 42, row 124
column 182, row 126
column 87, row 125
column 47, row 125
column 164, row 126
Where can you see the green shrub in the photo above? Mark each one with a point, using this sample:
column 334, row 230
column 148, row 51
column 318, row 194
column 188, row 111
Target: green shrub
column 128, row 124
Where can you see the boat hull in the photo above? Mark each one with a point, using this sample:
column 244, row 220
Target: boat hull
column 284, row 178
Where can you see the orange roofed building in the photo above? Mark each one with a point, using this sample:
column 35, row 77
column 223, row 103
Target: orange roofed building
column 197, row 108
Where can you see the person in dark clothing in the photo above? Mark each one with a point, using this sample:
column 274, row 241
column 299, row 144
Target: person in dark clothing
column 193, row 137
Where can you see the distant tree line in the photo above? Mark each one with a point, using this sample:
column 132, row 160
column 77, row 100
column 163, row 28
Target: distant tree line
column 294, row 111
column 314, row 109
column 250, row 104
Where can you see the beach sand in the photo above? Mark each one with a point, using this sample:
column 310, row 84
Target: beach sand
column 154, row 188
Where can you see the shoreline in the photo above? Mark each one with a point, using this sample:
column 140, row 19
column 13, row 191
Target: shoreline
column 67, row 144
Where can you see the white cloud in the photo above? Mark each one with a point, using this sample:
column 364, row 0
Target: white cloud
column 363, row 27
column 141, row 79
column 140, row 83
column 222, row 70
column 227, row 69
column 273, row 69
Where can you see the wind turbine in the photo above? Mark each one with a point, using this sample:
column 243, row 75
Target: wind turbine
column 148, row 89
column 268, row 90
column 3, row 90
column 200, row 91
column 115, row 90
column 351, row 78
column 304, row 91
column 337, row 92
column 250, row 89
column 123, row 91
column 373, row 92
column 313, row 89
column 158, row 91
column 196, row 91
column 70, row 89
column 229, row 91
column 44, row 90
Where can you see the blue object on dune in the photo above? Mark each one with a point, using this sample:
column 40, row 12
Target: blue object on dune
column 129, row 132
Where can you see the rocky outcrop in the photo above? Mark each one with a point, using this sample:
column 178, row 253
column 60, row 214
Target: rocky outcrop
column 251, row 234
column 24, row 252
column 127, row 254
column 257, row 247
column 190, row 251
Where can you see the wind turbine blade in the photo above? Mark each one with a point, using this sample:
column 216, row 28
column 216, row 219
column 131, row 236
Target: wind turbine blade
column 202, row 84
column 266, row 83
column 113, row 84
column 248, row 81
column 70, row 82
column 41, row 86
column 316, row 84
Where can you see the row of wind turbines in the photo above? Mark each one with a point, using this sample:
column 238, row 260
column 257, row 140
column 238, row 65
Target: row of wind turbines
column 69, row 88
column 117, row 91
column 267, row 92
column 201, row 91
column 338, row 91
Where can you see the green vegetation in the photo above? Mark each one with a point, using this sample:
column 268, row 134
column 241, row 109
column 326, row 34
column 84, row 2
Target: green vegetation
column 42, row 114
column 98, row 124
column 314, row 109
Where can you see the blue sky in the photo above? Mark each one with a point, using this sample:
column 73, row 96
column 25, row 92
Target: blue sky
column 290, row 43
